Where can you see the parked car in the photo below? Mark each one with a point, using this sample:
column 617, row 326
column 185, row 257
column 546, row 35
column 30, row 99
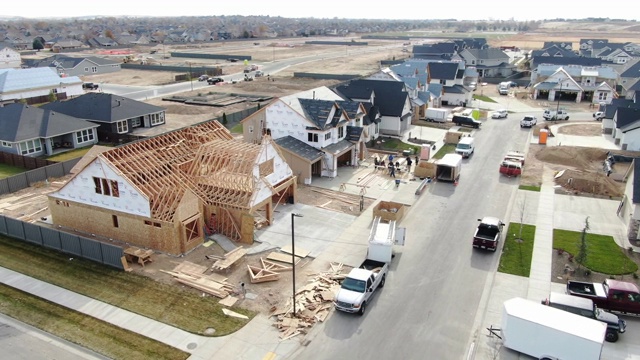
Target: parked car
column 552, row 115
column 528, row 121
column 213, row 81
column 466, row 121
column 473, row 85
column 90, row 86
column 598, row 115
column 500, row 114
column 259, row 73
column 203, row 78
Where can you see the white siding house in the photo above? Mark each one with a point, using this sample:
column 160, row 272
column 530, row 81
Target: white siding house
column 9, row 58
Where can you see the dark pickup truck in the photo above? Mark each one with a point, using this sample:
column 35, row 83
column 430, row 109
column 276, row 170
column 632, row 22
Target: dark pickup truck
column 90, row 86
column 466, row 121
column 488, row 233
column 612, row 295
column 586, row 307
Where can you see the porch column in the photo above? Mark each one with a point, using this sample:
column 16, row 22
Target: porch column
column 579, row 97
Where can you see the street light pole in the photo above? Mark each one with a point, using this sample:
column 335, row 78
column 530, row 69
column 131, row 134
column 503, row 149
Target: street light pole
column 293, row 259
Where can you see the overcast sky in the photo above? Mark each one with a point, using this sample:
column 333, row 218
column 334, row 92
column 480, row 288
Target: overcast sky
column 353, row 9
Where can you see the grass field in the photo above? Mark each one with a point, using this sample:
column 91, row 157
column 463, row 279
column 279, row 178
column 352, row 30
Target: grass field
column 8, row 170
column 529, row 188
column 166, row 303
column 68, row 155
column 516, row 253
column 603, row 254
column 444, row 150
column 86, row 331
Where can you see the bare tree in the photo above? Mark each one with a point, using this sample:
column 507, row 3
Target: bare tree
column 581, row 257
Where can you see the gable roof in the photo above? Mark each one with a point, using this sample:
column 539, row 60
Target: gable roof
column 103, row 107
column 12, row 80
column 351, row 108
column 565, row 60
column 626, row 116
column 435, row 49
column 318, row 111
column 390, row 96
column 299, row 148
column 553, row 51
column 19, row 122
column 610, row 109
column 488, row 54
column 632, row 72
column 442, row 70
column 319, row 93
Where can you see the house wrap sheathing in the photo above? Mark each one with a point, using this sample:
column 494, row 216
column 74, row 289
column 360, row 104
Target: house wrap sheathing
column 168, row 192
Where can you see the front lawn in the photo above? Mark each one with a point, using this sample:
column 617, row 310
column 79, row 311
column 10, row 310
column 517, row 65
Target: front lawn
column 237, row 129
column 483, row 98
column 68, row 155
column 392, row 144
column 444, row 150
column 529, row 188
column 8, row 170
column 603, row 254
column 516, row 254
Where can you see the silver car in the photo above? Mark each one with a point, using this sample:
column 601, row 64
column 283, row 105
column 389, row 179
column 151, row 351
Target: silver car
column 499, row 114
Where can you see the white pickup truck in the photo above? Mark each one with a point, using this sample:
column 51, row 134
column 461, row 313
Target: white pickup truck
column 362, row 282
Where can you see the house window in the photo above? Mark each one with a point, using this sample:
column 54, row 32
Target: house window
column 114, row 218
column 150, row 223
column 157, row 119
column 123, row 127
column 327, row 136
column 63, row 203
column 94, row 69
column 84, row 136
column 266, row 168
column 340, row 132
column 443, row 82
column 5, row 144
column 602, row 96
column 30, row 146
column 106, row 187
column 86, row 69
column 250, row 129
column 311, row 137
column 136, row 123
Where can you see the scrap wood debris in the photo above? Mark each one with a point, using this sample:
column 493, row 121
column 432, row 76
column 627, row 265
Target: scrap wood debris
column 313, row 303
column 229, row 259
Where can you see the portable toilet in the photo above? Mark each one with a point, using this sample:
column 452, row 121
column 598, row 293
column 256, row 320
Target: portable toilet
column 542, row 138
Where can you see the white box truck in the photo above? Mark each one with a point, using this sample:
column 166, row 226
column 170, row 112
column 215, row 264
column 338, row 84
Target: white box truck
column 548, row 333
column 437, row 115
column 448, row 168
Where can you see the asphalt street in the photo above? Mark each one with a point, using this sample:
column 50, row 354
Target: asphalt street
column 433, row 292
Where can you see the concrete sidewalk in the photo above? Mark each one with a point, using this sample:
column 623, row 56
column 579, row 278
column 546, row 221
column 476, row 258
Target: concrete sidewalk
column 254, row 341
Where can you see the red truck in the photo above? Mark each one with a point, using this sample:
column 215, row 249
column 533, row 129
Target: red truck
column 510, row 168
column 488, row 233
column 610, row 295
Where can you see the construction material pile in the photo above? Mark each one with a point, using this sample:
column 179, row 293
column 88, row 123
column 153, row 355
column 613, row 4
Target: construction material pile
column 192, row 275
column 313, row 303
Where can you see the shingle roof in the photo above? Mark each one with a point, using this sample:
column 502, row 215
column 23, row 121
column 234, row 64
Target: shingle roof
column 442, row 70
column 610, row 110
column 553, row 52
column 435, row 89
column 488, row 54
column 354, row 133
column 19, row 122
column 103, row 107
column 626, row 116
column 435, row 49
column 456, row 89
column 352, row 108
column 23, row 79
column 562, row 60
column 299, row 148
column 338, row 147
column 318, row 112
column 390, row 96
column 632, row 72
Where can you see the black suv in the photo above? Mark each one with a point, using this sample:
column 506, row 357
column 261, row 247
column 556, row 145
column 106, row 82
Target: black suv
column 585, row 307
column 213, row 81
column 466, row 121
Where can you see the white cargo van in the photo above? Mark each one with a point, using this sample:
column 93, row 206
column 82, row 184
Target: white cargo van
column 465, row 146
column 503, row 88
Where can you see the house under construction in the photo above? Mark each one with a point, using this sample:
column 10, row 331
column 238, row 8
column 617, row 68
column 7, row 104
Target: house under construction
column 168, row 191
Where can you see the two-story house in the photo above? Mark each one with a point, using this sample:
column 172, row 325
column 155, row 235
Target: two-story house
column 390, row 97
column 489, row 62
column 316, row 130
column 553, row 51
column 587, row 45
column 626, row 128
column 450, row 76
column 574, row 83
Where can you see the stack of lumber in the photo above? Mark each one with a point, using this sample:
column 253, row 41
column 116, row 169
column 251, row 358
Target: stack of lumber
column 313, row 303
column 229, row 259
column 192, row 275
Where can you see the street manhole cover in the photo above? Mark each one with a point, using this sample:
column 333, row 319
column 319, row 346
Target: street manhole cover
column 192, row 346
column 210, row 331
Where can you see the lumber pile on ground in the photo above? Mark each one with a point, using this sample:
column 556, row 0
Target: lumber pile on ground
column 189, row 274
column 229, row 259
column 313, row 303
column 270, row 271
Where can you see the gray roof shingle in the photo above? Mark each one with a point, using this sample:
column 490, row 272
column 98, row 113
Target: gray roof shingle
column 299, row 148
column 102, row 107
